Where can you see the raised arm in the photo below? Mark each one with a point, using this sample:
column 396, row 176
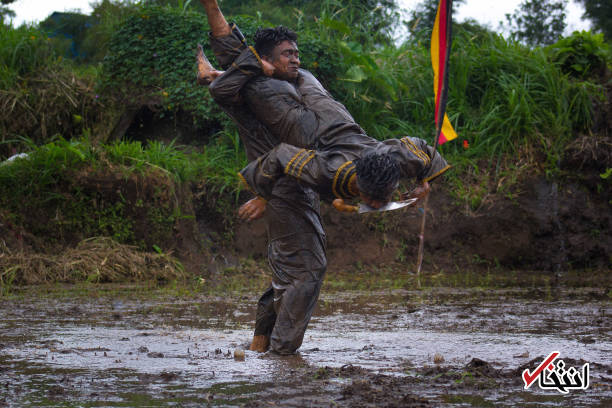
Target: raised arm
column 218, row 25
column 226, row 40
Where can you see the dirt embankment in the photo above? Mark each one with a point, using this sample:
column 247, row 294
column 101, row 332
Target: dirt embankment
column 546, row 226
column 542, row 224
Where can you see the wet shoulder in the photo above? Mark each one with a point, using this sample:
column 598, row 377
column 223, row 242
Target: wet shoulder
column 266, row 85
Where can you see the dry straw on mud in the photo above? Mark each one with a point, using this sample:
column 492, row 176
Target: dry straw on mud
column 50, row 102
column 95, row 259
column 589, row 148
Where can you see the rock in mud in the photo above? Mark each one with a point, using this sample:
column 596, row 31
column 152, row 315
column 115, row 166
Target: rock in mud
column 168, row 376
column 481, row 368
column 239, row 355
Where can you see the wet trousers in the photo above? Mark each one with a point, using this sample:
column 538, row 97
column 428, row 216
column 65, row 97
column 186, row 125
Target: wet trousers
column 296, row 254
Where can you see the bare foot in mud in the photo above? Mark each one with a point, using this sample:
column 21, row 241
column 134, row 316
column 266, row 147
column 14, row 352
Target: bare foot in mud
column 206, row 72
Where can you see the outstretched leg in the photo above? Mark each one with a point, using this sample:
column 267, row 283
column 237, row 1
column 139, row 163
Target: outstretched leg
column 206, row 72
column 218, row 25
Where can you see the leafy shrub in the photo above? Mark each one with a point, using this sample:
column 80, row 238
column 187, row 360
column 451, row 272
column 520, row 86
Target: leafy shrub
column 582, row 55
column 151, row 61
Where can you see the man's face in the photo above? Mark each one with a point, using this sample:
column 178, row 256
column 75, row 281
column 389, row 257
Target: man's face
column 286, row 60
column 372, row 202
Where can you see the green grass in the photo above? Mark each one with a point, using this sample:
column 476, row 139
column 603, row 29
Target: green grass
column 217, row 163
column 71, row 190
column 22, row 50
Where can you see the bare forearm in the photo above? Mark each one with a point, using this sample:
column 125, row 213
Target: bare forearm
column 218, row 25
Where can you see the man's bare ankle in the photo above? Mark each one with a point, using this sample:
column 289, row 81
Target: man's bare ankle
column 205, row 68
column 260, row 343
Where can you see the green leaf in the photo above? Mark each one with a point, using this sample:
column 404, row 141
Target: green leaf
column 336, row 25
column 355, row 74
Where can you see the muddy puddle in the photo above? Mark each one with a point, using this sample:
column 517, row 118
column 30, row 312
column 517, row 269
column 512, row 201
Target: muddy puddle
column 392, row 348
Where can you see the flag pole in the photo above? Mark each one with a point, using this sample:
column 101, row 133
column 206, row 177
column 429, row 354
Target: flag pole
column 441, row 97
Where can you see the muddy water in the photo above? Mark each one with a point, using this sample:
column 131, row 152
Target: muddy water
column 121, row 351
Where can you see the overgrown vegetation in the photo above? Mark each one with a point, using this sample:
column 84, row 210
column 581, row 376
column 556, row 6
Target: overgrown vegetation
column 67, row 191
column 42, row 94
column 514, row 106
column 150, row 61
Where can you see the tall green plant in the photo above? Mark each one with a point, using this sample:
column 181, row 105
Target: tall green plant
column 22, row 50
column 512, row 96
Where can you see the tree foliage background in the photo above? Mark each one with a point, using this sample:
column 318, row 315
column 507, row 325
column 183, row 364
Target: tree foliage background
column 600, row 13
column 421, row 19
column 538, row 22
column 4, row 10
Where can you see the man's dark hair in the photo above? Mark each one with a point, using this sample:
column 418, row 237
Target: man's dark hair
column 377, row 175
column 268, row 38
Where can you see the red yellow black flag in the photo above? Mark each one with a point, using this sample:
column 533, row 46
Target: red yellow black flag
column 440, row 51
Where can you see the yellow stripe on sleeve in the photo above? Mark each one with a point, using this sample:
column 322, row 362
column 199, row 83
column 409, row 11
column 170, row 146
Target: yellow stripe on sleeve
column 309, row 158
column 288, row 166
column 244, row 182
column 343, row 185
column 335, row 182
column 415, row 149
column 448, row 166
column 256, row 54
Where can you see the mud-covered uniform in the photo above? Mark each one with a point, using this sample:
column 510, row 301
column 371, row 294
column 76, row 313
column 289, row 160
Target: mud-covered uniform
column 296, row 240
column 321, row 138
column 331, row 172
column 287, row 110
